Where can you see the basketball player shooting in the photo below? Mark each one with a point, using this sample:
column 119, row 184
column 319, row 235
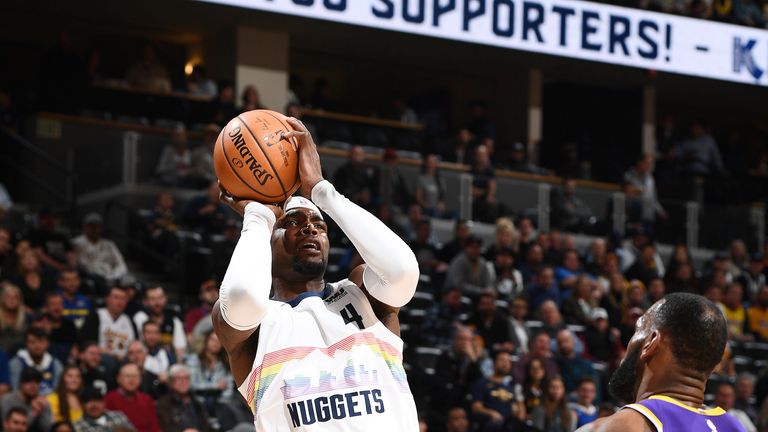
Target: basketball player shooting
column 676, row 345
column 316, row 356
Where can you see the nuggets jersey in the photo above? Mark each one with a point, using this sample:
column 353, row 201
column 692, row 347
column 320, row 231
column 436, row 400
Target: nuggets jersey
column 670, row 415
column 324, row 362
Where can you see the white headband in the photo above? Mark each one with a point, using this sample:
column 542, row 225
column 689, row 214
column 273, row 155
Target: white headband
column 300, row 202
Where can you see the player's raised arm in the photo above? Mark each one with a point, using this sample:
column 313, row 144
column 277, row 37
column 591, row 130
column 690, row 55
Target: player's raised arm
column 392, row 271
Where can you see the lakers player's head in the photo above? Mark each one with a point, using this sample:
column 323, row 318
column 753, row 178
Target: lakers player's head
column 682, row 335
column 300, row 242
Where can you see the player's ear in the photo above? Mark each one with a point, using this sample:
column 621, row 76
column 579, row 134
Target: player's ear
column 650, row 346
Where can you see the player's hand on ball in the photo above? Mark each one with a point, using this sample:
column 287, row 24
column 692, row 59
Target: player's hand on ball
column 238, row 205
column 310, row 172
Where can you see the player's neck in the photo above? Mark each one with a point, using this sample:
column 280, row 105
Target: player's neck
column 288, row 290
column 679, row 384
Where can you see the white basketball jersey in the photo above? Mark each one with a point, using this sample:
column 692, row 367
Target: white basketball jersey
column 324, row 362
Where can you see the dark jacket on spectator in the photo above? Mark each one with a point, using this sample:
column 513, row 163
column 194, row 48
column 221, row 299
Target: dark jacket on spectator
column 177, row 415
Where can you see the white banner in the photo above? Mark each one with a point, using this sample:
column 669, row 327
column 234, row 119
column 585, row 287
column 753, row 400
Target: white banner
column 567, row 28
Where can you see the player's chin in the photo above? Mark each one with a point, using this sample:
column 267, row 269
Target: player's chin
column 310, row 265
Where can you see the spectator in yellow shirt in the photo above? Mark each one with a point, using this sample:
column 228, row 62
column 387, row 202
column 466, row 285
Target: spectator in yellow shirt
column 65, row 401
column 735, row 313
column 758, row 315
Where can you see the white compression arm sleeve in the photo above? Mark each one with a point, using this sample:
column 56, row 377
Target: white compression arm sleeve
column 244, row 293
column 392, row 272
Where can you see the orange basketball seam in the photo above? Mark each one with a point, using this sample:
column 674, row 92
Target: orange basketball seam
column 229, row 163
column 287, row 127
column 266, row 156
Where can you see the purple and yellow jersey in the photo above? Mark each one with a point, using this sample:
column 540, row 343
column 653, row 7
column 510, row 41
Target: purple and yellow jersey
column 670, row 415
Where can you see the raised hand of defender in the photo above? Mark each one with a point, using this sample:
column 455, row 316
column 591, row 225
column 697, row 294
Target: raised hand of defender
column 310, row 172
column 238, row 205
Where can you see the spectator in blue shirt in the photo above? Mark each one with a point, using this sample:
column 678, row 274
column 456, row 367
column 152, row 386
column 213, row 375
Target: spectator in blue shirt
column 584, row 407
column 76, row 305
column 5, row 376
column 572, row 366
column 35, row 355
column 496, row 399
column 544, row 289
column 567, row 273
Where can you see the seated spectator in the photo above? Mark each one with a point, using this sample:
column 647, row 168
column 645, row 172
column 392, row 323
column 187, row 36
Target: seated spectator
column 205, row 214
column 13, row 319
column 551, row 319
column 568, row 272
column 5, row 374
column 603, row 343
column 644, row 268
column 202, row 156
column 392, row 186
column 29, row 277
column 682, row 280
column 171, row 329
column 572, row 366
column 469, row 271
column 223, row 107
column 518, row 161
column 99, row 255
column 725, row 397
column 211, row 378
column 584, row 407
column 136, row 405
column 430, row 188
column 76, row 305
column 519, row 332
column 16, row 420
column 63, row 333
column 544, row 289
column 199, row 84
column 754, row 277
column 27, row 397
column 50, row 245
column 460, row 151
column 440, row 319
column 174, row 168
column 640, row 176
column 577, row 308
column 162, row 226
column 485, row 207
column 250, row 99
column 110, row 326
column 425, row 249
column 594, row 262
column 457, row 420
column 534, row 262
column 35, row 355
column 656, row 290
column 570, row 212
column 738, row 259
column 505, row 238
column 527, row 232
column 461, row 232
column 356, row 179
column 757, row 315
column 65, row 401
column 178, row 411
column 553, row 415
column 96, row 418
column 209, row 294
column 159, row 356
column 150, row 382
column 496, row 399
column 636, row 296
column 490, row 324
column 98, row 370
column 533, row 384
column 455, row 370
column 148, row 74
column 735, row 313
column 509, row 280
column 745, row 396
column 539, row 349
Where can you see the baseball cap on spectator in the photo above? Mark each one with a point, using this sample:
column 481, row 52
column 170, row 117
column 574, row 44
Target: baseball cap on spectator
column 29, row 374
column 93, row 219
column 599, row 313
column 91, row 393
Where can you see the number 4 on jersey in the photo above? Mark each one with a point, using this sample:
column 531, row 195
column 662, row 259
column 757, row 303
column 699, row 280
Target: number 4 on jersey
column 350, row 315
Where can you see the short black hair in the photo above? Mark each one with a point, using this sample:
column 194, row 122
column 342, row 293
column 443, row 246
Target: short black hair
column 15, row 410
column 36, row 332
column 696, row 329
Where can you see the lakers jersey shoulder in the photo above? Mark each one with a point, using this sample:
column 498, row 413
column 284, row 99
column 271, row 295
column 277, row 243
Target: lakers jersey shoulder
column 667, row 414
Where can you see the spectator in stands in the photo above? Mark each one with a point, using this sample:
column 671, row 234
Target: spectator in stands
column 656, row 290
column 150, row 382
column 524, row 225
column 738, row 259
column 735, row 313
column 98, row 371
column 16, row 420
column 519, row 162
column 570, row 212
column 159, row 357
column 469, row 271
column 725, row 398
column 440, row 319
column 148, row 74
column 97, row 254
column 136, row 405
column 50, row 245
column 199, row 84
column 65, row 401
column 485, row 208
column 490, row 324
column 204, row 213
column 27, row 397
column 757, row 315
column 680, row 255
column 533, row 385
column 29, row 277
column 356, row 179
column 509, row 280
column 506, row 237
column 35, row 355
column 551, row 319
column 519, row 333
column 632, row 251
column 76, row 306
column 5, row 376
column 455, row 370
column 534, row 261
column 6, row 250
column 13, row 318
column 250, row 99
column 584, row 407
column 577, row 308
column 209, row 293
column 699, row 153
column 460, row 150
column 174, row 168
column 110, row 326
column 572, row 366
column 392, row 187
column 170, row 326
column 602, row 342
column 430, row 188
column 461, row 232
column 178, row 411
column 223, row 108
column 161, row 227
column 683, row 280
column 496, row 399
column 211, row 378
column 202, row 156
column 540, row 350
column 479, row 124
column 545, row 288
column 457, row 420
column 63, row 333
column 553, row 415
column 96, row 418
column 644, row 268
column 595, row 259
column 569, row 270
column 745, row 392
column 425, row 250
column 640, row 176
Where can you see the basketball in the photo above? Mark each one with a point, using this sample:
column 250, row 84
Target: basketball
column 253, row 161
